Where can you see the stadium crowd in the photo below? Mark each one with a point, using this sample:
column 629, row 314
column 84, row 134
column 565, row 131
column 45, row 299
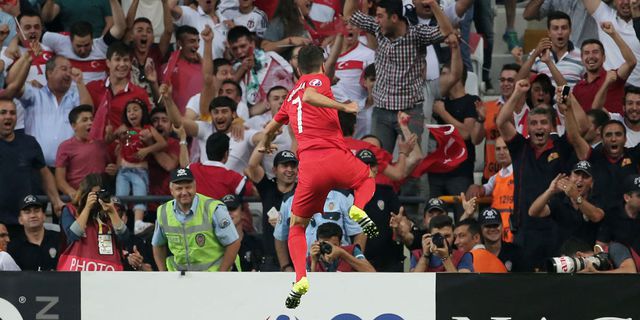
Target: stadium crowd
column 106, row 98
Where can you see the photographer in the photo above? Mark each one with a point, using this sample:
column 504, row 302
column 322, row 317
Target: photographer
column 620, row 257
column 93, row 229
column 437, row 254
column 326, row 254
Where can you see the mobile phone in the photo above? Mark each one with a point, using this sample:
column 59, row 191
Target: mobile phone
column 565, row 92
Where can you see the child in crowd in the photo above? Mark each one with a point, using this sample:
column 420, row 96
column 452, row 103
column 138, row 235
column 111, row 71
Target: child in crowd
column 138, row 139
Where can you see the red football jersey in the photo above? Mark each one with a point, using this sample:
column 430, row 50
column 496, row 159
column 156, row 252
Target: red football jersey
column 313, row 127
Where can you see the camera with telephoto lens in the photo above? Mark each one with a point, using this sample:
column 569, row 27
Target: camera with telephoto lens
column 566, row 264
column 325, row 248
column 438, row 239
column 104, row 195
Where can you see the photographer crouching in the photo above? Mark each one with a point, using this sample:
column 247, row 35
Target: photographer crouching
column 326, row 254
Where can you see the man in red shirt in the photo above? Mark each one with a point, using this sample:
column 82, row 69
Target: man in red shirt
column 164, row 161
column 111, row 95
column 325, row 161
column 186, row 78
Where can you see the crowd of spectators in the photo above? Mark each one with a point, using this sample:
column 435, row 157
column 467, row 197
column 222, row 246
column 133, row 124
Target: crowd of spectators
column 102, row 99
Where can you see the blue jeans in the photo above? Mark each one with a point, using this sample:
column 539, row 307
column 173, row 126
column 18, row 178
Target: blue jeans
column 136, row 179
column 482, row 15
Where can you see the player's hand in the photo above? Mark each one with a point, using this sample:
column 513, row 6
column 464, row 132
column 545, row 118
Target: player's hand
column 267, row 148
column 351, row 107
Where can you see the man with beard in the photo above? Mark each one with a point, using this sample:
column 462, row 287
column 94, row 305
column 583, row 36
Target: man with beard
column 537, row 160
column 569, row 203
column 555, row 55
column 620, row 18
column 85, row 52
column 272, row 190
column 200, row 17
column 593, row 57
column 631, row 117
column 223, row 112
column 164, row 161
column 37, row 249
column 22, row 164
column 80, row 156
column 184, row 79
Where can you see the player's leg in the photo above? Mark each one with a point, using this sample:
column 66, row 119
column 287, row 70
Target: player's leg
column 362, row 194
column 297, row 244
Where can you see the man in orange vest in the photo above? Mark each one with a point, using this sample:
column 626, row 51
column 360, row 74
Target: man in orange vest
column 469, row 239
column 508, row 253
column 500, row 186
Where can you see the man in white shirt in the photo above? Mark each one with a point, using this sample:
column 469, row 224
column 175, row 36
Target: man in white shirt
column 6, row 261
column 203, row 15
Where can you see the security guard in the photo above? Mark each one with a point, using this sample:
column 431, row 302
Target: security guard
column 197, row 230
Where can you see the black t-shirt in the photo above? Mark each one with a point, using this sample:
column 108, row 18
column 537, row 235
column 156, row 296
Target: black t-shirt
column 461, row 109
column 532, row 175
column 29, row 256
column 382, row 250
column 607, row 175
column 20, row 162
column 618, row 226
column 511, row 257
column 270, row 197
column 571, row 222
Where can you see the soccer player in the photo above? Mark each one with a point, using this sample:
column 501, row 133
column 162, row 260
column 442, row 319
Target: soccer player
column 325, row 161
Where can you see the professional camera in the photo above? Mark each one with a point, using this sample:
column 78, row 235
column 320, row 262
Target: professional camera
column 438, row 239
column 104, row 195
column 566, row 264
column 325, row 248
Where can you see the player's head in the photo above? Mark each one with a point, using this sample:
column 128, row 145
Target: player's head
column 310, row 60
column 81, row 34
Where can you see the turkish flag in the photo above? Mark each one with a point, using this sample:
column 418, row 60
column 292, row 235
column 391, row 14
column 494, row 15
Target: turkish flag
column 169, row 68
column 449, row 154
column 100, row 119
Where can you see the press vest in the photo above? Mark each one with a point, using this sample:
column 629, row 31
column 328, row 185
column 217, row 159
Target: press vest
column 193, row 243
column 503, row 202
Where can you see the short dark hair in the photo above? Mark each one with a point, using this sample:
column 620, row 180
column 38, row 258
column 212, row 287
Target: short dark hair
column 472, row 224
column 592, row 41
column 157, row 110
column 223, row 101
column 310, row 59
column 328, row 230
column 81, row 29
column 440, row 222
column 548, row 112
column 51, row 63
column 511, row 66
column 613, row 122
column 630, row 90
column 219, row 62
column 28, row 13
column 182, row 30
column 146, row 119
column 235, row 84
column 119, row 48
column 274, row 88
column 347, row 123
column 372, row 136
column 142, row 20
column 369, row 71
column 75, row 112
column 392, row 7
column 238, row 32
column 600, row 117
column 217, row 146
column 557, row 15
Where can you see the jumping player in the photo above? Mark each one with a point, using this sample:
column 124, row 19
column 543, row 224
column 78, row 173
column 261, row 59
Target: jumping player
column 325, row 161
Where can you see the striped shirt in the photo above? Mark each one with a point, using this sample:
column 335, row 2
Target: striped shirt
column 570, row 65
column 400, row 63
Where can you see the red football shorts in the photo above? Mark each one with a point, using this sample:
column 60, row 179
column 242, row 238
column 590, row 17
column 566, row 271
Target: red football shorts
column 322, row 170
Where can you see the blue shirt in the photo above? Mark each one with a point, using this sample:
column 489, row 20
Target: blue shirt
column 466, row 262
column 47, row 120
column 336, row 210
column 223, row 226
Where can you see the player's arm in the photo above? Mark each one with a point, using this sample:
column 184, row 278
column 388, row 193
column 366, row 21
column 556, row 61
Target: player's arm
column 268, row 135
column 316, row 99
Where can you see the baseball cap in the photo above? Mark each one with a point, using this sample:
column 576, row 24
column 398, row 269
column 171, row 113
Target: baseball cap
column 435, row 203
column 366, row 156
column 231, row 201
column 489, row 216
column 181, row 174
column 632, row 183
column 30, row 201
column 583, row 166
column 284, row 156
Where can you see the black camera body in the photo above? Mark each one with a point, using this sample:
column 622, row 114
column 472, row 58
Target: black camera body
column 438, row 239
column 104, row 195
column 325, row 248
